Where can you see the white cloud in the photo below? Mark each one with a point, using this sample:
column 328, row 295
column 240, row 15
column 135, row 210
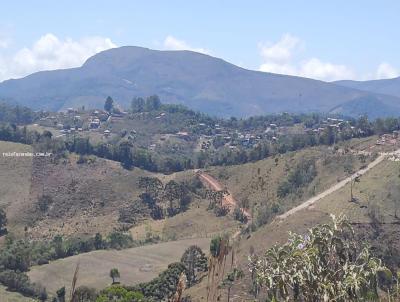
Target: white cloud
column 278, row 68
column 316, row 69
column 282, row 58
column 172, row 43
column 281, row 51
column 51, row 52
column 386, row 71
column 279, row 58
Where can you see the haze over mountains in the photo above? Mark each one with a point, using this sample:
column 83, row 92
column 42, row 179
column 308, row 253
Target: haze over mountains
column 389, row 86
column 199, row 81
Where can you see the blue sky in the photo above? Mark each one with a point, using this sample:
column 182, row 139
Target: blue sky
column 327, row 40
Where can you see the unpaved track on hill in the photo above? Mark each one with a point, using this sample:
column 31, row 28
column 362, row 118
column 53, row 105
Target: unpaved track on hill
column 228, row 199
column 337, row 186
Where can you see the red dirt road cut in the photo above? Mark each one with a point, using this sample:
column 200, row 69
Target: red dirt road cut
column 228, row 199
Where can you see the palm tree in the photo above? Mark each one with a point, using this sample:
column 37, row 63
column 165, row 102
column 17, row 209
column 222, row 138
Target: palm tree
column 114, row 274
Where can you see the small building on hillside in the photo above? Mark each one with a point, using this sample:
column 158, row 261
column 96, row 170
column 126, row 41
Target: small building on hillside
column 94, row 123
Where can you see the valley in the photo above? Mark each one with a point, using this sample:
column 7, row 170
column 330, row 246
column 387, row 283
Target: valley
column 140, row 189
column 199, row 151
column 135, row 265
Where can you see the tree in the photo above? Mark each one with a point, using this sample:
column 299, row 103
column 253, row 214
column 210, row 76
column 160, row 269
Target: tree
column 153, row 187
column 364, row 125
column 137, row 104
column 121, row 294
column 118, row 240
column 153, row 103
column 172, row 191
column 125, row 154
column 59, row 246
column 325, row 264
column 239, row 215
column 85, row 294
column 230, row 279
column 98, row 241
column 114, row 274
column 3, row 222
column 352, row 183
column 61, row 294
column 44, row 201
column 163, row 287
column 195, row 262
column 109, row 104
column 42, row 295
column 47, row 134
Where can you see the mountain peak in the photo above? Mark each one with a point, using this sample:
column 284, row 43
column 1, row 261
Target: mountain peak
column 199, row 81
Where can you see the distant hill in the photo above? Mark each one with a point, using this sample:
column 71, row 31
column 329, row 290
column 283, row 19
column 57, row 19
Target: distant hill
column 387, row 86
column 199, row 81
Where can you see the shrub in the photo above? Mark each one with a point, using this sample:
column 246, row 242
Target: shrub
column 118, row 240
column 301, row 175
column 324, row 264
column 239, row 215
column 19, row 282
column 44, row 202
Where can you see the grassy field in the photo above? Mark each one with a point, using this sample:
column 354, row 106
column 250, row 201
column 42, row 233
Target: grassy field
column 15, row 182
column 135, row 265
column 378, row 191
column 6, row 296
column 377, row 188
column 257, row 183
column 197, row 222
column 85, row 198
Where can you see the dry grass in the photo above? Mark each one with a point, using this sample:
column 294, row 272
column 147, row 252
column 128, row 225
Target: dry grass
column 197, row 222
column 135, row 265
column 377, row 190
column 6, row 296
column 15, row 182
column 258, row 182
column 86, row 197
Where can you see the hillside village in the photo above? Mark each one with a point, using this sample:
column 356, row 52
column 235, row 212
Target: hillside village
column 107, row 126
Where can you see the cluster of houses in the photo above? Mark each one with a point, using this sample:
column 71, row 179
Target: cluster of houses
column 70, row 122
column 333, row 123
column 234, row 138
column 388, row 139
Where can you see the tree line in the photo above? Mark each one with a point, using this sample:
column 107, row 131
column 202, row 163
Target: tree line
column 17, row 256
column 131, row 155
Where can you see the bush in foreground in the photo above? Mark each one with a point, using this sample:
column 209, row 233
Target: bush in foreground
column 326, row 264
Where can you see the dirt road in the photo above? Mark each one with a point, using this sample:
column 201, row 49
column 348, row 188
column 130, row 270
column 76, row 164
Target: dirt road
column 228, row 199
column 337, row 186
